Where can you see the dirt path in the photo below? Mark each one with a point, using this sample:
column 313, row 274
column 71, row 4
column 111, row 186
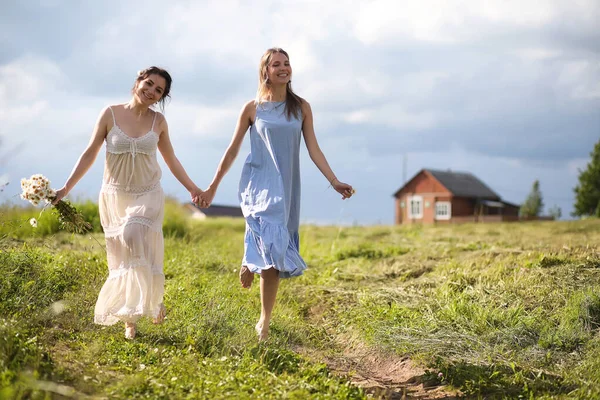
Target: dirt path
column 384, row 376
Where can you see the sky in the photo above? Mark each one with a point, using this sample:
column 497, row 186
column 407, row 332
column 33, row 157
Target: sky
column 506, row 90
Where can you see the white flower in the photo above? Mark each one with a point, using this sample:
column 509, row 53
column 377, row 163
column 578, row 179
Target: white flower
column 33, row 222
column 36, row 189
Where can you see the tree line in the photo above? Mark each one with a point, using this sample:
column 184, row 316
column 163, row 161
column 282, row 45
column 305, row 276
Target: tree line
column 587, row 193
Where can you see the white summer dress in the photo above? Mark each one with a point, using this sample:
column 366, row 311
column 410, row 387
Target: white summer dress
column 131, row 212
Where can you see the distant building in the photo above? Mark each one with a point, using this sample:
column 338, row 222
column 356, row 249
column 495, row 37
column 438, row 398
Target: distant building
column 213, row 211
column 433, row 196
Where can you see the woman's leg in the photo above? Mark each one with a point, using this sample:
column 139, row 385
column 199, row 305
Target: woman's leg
column 269, row 283
column 130, row 330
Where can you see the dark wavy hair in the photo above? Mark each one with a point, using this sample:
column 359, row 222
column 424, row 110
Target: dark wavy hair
column 143, row 74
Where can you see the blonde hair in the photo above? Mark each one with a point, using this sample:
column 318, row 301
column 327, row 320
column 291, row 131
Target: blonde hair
column 293, row 102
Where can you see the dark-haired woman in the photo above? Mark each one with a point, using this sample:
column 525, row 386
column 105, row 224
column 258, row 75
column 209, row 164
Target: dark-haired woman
column 270, row 184
column 131, row 200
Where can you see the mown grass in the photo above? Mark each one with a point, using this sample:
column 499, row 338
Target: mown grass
column 501, row 310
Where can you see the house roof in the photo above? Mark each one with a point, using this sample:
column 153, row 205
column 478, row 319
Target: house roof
column 460, row 184
column 506, row 203
column 463, row 184
column 220, row 211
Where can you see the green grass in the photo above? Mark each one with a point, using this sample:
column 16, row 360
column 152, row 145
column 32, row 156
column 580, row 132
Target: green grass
column 501, row 310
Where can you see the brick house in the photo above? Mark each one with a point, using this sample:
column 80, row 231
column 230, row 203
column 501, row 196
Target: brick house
column 433, row 196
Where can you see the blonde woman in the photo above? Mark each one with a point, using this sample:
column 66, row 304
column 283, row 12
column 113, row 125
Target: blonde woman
column 270, row 184
column 131, row 200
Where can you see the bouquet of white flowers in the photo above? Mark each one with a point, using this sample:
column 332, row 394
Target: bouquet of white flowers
column 37, row 189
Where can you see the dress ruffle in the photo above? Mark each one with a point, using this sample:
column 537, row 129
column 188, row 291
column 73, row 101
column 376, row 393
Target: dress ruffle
column 269, row 245
column 129, row 293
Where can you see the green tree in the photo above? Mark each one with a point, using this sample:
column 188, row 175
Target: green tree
column 533, row 205
column 587, row 192
column 555, row 212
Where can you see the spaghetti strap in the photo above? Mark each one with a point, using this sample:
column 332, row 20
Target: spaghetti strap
column 113, row 114
column 152, row 129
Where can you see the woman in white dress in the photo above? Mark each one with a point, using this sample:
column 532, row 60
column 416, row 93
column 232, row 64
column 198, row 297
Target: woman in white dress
column 131, row 200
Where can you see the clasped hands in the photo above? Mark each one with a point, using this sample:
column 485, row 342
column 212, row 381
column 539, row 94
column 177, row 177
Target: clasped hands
column 203, row 198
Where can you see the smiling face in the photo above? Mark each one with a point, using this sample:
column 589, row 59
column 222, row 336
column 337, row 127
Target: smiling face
column 279, row 70
column 150, row 90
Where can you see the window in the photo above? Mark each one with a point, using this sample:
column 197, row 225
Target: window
column 443, row 210
column 415, row 207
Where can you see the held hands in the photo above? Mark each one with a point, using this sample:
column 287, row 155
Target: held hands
column 342, row 188
column 204, row 199
column 195, row 195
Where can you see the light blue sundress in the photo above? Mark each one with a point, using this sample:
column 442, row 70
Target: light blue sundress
column 270, row 192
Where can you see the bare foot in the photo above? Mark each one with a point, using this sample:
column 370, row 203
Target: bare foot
column 160, row 318
column 129, row 330
column 262, row 331
column 246, row 277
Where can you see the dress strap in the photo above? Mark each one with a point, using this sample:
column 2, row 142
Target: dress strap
column 113, row 114
column 152, row 129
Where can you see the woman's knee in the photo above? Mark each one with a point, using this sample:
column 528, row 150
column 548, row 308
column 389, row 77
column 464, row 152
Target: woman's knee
column 270, row 274
column 133, row 236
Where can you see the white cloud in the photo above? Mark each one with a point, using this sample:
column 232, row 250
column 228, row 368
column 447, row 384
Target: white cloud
column 199, row 120
column 391, row 115
column 468, row 74
column 385, row 20
column 533, row 54
column 15, row 115
column 462, row 21
column 574, row 166
column 29, row 78
column 581, row 79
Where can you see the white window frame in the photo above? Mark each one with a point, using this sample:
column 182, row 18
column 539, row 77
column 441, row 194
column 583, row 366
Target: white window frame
column 417, row 200
column 448, row 208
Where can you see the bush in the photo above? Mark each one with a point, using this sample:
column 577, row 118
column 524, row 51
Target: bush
column 176, row 220
column 91, row 214
column 14, row 220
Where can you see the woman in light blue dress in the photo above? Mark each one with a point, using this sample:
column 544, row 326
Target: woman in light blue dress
column 269, row 191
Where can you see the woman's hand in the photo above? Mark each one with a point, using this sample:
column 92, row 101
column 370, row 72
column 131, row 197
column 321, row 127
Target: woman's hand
column 206, row 198
column 195, row 195
column 343, row 188
column 60, row 193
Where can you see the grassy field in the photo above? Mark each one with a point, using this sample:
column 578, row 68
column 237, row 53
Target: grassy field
column 477, row 311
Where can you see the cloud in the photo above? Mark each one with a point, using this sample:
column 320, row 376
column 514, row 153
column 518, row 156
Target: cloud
column 481, row 86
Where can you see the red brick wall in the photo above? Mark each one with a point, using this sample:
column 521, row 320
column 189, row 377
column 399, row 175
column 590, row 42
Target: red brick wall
column 429, row 189
column 398, row 211
column 424, row 183
column 462, row 207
